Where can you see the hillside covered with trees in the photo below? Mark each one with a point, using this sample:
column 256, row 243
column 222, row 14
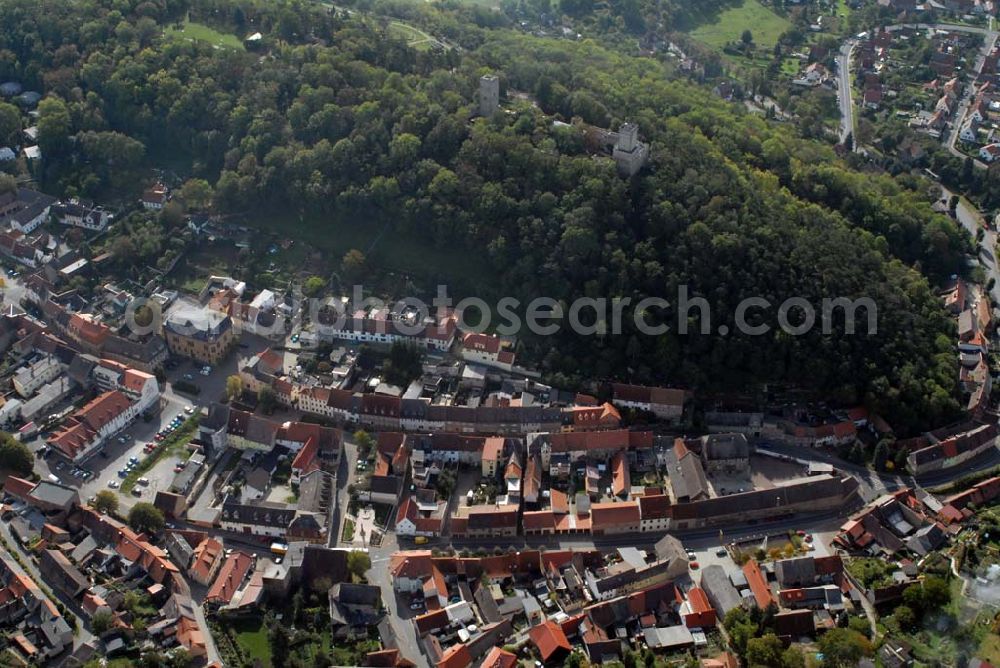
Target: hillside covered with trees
column 332, row 117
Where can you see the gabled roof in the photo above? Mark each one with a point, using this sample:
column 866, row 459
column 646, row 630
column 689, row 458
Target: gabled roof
column 605, row 515
column 654, row 507
column 499, row 658
column 456, row 656
column 758, row 585
column 205, row 555
column 549, row 638
column 234, row 570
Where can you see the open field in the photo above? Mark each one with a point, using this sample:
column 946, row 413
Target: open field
column 202, row 33
column 765, row 25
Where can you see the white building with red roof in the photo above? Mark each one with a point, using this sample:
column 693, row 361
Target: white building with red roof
column 141, row 387
column 488, row 350
column 88, row 428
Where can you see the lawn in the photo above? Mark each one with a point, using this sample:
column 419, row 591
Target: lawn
column 729, row 25
column 252, row 637
column 199, row 31
column 989, row 650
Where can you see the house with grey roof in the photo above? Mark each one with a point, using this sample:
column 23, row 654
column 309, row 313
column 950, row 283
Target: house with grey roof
column 795, row 572
column 720, row 591
column 686, row 474
column 354, row 605
column 727, row 453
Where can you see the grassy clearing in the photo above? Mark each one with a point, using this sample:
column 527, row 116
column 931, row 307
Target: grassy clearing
column 765, row 25
column 171, row 445
column 200, row 32
column 252, row 637
column 384, row 249
column 414, row 37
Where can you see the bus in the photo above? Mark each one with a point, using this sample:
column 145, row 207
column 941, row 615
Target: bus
column 279, row 549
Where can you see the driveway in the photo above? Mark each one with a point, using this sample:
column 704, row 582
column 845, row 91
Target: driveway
column 397, row 608
column 345, row 473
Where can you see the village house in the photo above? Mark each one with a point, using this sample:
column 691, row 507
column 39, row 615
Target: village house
column 140, row 387
column 487, row 350
column 665, row 403
column 80, row 213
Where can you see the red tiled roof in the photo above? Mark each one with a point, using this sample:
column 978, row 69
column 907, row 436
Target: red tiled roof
column 389, row 442
column 606, row 515
column 654, row 506
column 758, row 584
column 429, row 621
column 18, row 487
column 620, row 474
column 306, row 457
column 134, row 380
column 493, row 448
column 698, row 600
column 456, row 656
column 82, row 427
column 205, row 555
column 499, row 658
column 539, row 520
column 589, row 415
column 549, row 638
column 387, row 658
column 229, row 579
column 88, row 330
column 381, row 405
column 482, row 342
column 410, row 564
column 560, row 504
column 601, row 440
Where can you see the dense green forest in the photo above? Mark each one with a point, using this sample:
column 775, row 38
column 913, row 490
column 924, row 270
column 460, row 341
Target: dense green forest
column 333, row 118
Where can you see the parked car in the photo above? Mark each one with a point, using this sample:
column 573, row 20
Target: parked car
column 123, row 473
column 136, row 491
column 143, row 481
column 113, row 484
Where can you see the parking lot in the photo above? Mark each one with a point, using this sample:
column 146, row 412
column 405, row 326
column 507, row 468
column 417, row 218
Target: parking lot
column 99, row 470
